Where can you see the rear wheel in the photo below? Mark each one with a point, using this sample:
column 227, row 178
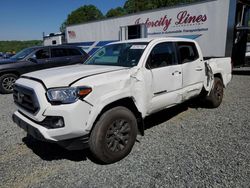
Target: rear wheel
column 113, row 135
column 216, row 95
column 7, row 82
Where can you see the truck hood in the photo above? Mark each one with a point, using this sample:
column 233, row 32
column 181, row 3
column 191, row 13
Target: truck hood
column 65, row 76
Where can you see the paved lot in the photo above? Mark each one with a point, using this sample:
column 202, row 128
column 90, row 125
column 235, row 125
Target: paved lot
column 183, row 147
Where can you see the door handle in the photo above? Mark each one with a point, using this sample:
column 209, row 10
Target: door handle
column 199, row 69
column 173, row 73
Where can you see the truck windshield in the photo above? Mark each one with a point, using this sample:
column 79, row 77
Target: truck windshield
column 123, row 54
column 23, row 53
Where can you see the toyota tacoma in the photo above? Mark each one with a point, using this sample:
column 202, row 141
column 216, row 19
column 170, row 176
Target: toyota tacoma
column 102, row 104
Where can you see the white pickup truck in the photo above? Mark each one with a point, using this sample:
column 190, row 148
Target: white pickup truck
column 102, row 104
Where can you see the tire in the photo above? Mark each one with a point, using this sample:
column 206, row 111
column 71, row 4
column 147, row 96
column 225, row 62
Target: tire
column 7, row 82
column 216, row 95
column 114, row 135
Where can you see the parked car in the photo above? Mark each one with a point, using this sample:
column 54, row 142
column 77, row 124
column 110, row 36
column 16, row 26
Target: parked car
column 36, row 58
column 8, row 55
column 102, row 104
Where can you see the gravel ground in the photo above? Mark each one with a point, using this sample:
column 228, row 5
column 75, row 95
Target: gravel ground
column 185, row 146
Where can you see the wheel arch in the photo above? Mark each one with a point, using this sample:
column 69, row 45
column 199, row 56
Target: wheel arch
column 219, row 75
column 10, row 72
column 127, row 102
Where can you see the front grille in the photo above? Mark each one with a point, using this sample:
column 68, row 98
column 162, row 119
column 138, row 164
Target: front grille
column 25, row 98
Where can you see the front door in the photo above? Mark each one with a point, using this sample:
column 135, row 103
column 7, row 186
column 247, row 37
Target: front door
column 166, row 77
column 42, row 57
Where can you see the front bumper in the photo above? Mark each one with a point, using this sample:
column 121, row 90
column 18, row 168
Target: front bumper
column 34, row 132
column 69, row 144
column 75, row 115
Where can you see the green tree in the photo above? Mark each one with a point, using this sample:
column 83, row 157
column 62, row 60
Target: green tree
column 119, row 11
column 166, row 3
column 63, row 27
column 132, row 6
column 83, row 14
column 15, row 46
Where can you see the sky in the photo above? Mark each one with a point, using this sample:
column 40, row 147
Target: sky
column 28, row 19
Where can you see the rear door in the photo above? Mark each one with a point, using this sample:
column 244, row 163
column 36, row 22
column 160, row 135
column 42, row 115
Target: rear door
column 76, row 55
column 192, row 69
column 59, row 57
column 166, row 76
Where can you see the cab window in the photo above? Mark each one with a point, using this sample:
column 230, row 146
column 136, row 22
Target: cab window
column 73, row 52
column 58, row 52
column 188, row 52
column 162, row 55
column 42, row 54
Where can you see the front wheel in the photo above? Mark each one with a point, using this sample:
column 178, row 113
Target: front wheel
column 114, row 135
column 216, row 95
column 7, row 82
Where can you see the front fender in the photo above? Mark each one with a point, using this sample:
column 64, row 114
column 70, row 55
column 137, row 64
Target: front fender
column 7, row 71
column 102, row 102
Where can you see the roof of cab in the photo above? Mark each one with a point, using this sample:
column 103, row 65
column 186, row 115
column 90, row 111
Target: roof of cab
column 167, row 39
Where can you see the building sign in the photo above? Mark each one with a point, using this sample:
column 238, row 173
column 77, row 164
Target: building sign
column 175, row 24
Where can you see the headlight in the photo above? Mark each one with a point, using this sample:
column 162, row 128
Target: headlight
column 67, row 95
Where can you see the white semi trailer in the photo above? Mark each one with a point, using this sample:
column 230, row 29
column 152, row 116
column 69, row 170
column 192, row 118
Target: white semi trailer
column 219, row 26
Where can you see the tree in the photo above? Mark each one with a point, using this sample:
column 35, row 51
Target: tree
column 166, row 3
column 119, row 11
column 83, row 14
column 63, row 27
column 16, row 46
column 132, row 6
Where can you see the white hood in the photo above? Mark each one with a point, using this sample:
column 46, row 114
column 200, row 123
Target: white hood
column 64, row 76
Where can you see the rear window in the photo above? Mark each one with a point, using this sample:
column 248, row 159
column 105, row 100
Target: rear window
column 73, row 52
column 188, row 52
column 58, row 52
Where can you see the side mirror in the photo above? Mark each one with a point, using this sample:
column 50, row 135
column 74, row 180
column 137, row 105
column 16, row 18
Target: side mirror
column 33, row 60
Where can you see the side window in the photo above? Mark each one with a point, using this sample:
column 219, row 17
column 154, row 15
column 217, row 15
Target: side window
column 58, row 52
column 73, row 52
column 42, row 54
column 188, row 52
column 162, row 55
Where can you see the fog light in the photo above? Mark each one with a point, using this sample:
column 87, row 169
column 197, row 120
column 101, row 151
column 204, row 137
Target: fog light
column 53, row 122
column 57, row 122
